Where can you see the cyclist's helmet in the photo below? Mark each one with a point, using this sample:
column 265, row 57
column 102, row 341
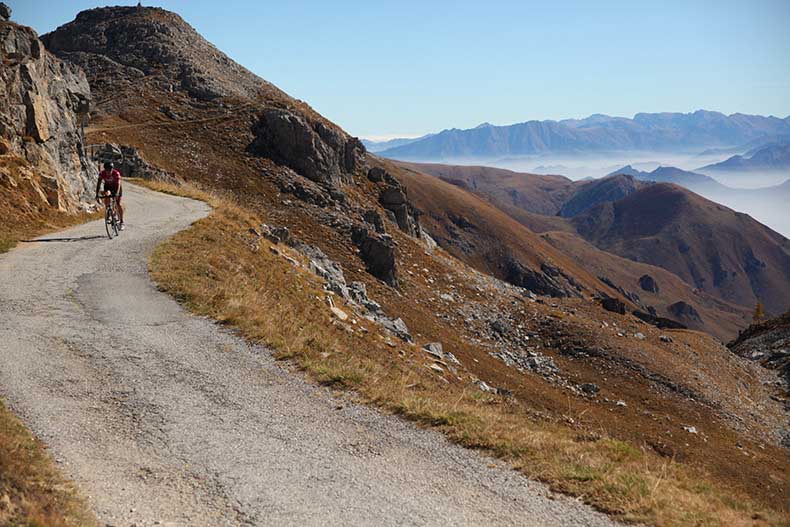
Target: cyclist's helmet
column 108, row 165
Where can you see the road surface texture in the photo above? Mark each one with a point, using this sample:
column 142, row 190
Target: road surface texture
column 164, row 418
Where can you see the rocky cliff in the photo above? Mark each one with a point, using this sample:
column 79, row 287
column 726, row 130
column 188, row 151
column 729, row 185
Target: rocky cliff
column 768, row 343
column 42, row 104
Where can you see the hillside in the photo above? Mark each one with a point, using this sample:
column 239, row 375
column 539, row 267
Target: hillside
column 536, row 373
column 765, row 204
column 504, row 188
column 708, row 245
column 597, row 133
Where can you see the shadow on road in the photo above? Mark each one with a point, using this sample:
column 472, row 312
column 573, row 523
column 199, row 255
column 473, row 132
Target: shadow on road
column 77, row 239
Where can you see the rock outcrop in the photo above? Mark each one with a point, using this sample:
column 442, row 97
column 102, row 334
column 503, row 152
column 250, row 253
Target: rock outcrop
column 43, row 102
column 648, row 283
column 393, row 197
column 131, row 164
column 550, row 281
column 378, row 253
column 315, row 150
column 769, row 344
column 684, row 311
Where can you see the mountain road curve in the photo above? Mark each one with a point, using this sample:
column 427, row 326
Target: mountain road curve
column 165, row 418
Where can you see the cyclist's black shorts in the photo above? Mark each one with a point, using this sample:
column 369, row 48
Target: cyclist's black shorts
column 113, row 189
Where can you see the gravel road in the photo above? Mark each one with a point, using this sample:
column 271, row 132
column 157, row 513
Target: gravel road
column 164, row 418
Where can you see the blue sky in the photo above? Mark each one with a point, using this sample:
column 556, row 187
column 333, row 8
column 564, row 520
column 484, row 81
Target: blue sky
column 407, row 68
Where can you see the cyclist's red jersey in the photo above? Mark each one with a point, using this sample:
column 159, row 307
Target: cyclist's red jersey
column 111, row 179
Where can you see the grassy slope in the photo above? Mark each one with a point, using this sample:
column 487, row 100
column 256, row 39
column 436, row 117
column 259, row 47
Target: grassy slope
column 24, row 213
column 237, row 279
column 32, row 491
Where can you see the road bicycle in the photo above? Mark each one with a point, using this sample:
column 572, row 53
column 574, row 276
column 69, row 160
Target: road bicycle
column 111, row 220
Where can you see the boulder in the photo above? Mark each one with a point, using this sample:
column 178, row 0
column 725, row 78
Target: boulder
column 648, row 283
column 374, row 219
column 376, row 174
column 614, row 305
column 378, row 253
column 683, row 310
column 5, row 12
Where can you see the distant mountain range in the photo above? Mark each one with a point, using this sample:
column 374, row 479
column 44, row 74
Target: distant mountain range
column 380, row 146
column 597, row 133
column 772, row 157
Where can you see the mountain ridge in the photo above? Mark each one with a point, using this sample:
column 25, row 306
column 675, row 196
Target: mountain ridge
column 597, row 133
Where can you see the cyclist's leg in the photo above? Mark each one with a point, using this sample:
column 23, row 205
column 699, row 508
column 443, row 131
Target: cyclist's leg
column 120, row 207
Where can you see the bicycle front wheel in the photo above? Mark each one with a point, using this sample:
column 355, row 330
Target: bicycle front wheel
column 108, row 223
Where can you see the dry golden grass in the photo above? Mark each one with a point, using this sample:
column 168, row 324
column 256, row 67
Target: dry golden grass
column 23, row 214
column 32, row 491
column 216, row 268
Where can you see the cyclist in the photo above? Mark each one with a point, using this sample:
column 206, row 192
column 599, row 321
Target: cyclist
column 112, row 184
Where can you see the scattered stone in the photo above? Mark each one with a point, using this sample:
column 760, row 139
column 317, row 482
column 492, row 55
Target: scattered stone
column 339, row 313
column 639, row 336
column 589, row 388
column 690, row 429
column 450, row 357
column 169, row 112
column 485, row 387
column 435, row 349
column 665, row 338
column 621, row 403
column 436, row 367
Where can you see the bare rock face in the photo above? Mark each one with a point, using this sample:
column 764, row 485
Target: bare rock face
column 42, row 104
column 313, row 149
